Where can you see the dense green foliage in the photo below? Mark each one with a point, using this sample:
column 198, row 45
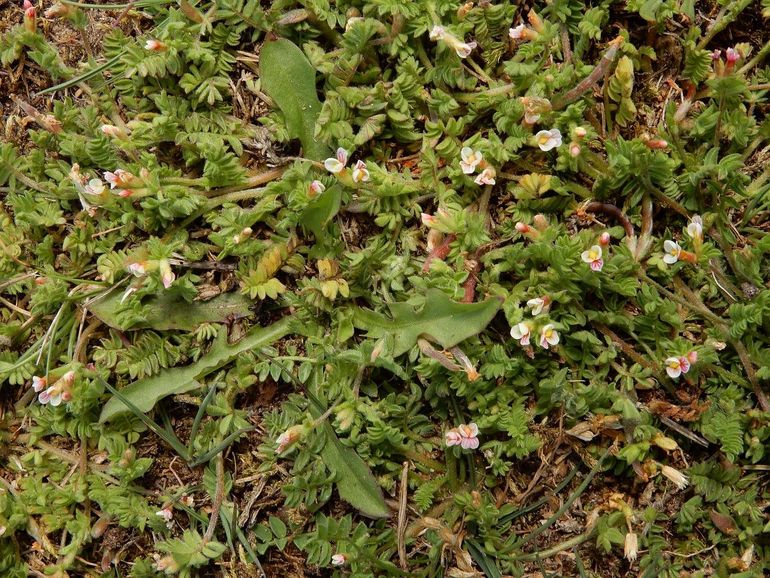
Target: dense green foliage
column 533, row 252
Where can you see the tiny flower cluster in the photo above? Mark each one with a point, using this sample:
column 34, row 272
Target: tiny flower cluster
column 471, row 159
column 60, row 391
column 673, row 252
column 465, row 436
column 336, row 166
column 523, row 331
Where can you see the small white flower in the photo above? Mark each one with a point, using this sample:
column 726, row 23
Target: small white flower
column 167, row 515
column 335, row 164
column 360, row 173
column 94, row 187
column 518, row 33
column 680, row 480
column 339, row 559
column 593, row 257
column 154, row 45
column 113, row 131
column 672, row 252
column 521, row 332
column 537, row 305
column 470, row 159
column 676, row 366
column 166, row 274
column 437, row 32
column 548, row 336
column 548, row 139
column 485, row 177
column 695, row 228
column 463, row 49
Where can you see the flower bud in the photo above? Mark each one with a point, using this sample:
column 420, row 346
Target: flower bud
column 580, row 132
column 692, row 357
column 339, row 559
column 154, row 45
column 541, row 223
column 59, row 10
column 523, row 228
column 631, row 546
column 435, row 239
column 665, row 443
column 574, row 149
column 535, row 21
column 166, row 274
column 604, row 239
column 656, row 144
column 30, row 16
column 290, row 437
column 113, row 131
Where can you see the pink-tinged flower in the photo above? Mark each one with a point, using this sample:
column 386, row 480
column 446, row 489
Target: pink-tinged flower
column 539, row 304
column 716, row 54
column 548, row 336
column 593, row 257
column 676, row 366
column 470, row 159
column 695, row 228
column 465, row 436
column 39, row 383
column 520, row 33
column 428, row 220
column 137, row 268
column 360, row 172
column 166, row 274
column 124, row 193
column 437, row 32
column 60, row 391
column 113, row 131
column 289, row 438
column 337, row 163
column 486, row 177
column 435, row 239
column 604, row 239
column 339, row 560
column 118, row 179
column 155, row 45
column 521, row 331
column 672, row 252
column 94, row 187
column 167, row 515
column 692, row 357
column 548, row 139
column 580, row 132
column 680, row 480
column 523, row 228
column 732, row 55
column 316, row 188
column 574, row 150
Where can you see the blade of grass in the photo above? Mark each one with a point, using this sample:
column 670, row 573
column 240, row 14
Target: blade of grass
column 170, row 439
column 199, row 416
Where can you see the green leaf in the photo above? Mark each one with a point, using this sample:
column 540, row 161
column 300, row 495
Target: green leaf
column 145, row 393
column 289, row 79
column 355, row 481
column 440, row 320
column 171, row 312
column 321, row 210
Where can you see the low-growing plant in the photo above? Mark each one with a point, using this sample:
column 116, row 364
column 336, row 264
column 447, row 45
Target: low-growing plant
column 385, row 288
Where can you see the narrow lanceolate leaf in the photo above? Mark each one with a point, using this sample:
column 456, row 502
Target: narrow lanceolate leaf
column 289, row 79
column 440, row 320
column 171, row 312
column 145, row 393
column 355, row 482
